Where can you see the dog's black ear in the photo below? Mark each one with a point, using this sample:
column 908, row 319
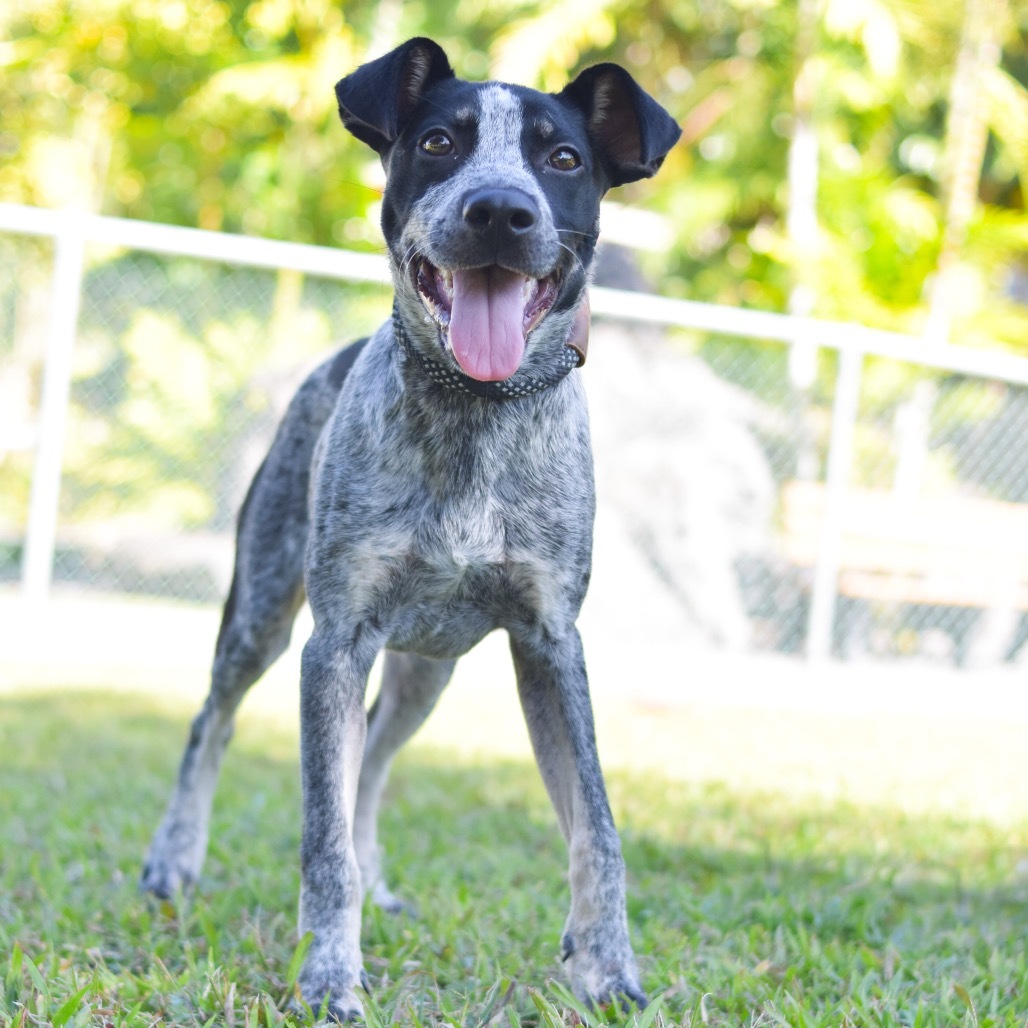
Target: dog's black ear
column 632, row 131
column 376, row 99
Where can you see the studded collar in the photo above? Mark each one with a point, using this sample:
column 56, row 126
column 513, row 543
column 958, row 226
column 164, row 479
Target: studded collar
column 571, row 356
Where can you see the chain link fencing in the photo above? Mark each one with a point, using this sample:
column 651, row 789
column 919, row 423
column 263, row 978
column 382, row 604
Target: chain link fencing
column 711, row 461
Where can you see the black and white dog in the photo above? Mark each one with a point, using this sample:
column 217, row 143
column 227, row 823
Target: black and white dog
column 433, row 483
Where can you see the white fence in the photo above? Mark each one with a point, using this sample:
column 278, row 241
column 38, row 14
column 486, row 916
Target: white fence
column 72, row 233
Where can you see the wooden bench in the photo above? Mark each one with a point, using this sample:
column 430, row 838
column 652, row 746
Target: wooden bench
column 945, row 550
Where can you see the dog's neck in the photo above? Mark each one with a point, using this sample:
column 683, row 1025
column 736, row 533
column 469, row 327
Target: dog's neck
column 567, row 359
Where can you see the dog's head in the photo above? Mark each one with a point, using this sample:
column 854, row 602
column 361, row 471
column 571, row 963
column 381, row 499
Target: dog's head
column 491, row 207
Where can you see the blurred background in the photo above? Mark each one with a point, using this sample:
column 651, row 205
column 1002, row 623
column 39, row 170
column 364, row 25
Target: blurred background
column 810, row 445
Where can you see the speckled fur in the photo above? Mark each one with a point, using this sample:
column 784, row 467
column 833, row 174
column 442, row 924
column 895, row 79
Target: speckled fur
column 428, row 518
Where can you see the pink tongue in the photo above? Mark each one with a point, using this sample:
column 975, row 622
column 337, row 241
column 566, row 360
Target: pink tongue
column 487, row 322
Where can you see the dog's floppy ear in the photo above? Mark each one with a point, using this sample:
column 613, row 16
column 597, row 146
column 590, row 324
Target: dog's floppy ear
column 376, row 99
column 632, row 131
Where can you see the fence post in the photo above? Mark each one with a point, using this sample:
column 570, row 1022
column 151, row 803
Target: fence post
column 837, row 479
column 65, row 297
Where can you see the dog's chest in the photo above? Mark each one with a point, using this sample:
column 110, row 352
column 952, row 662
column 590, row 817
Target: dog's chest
column 435, row 530
column 449, row 548
column 467, row 532
column 438, row 582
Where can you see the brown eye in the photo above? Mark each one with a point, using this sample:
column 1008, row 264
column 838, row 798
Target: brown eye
column 438, row 144
column 564, row 159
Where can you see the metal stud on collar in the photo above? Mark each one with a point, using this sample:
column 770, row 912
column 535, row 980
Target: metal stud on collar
column 508, row 389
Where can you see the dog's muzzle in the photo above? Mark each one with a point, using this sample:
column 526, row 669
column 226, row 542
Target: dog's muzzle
column 486, row 314
column 569, row 357
column 488, row 295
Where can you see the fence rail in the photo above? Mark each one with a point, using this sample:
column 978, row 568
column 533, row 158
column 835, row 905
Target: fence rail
column 72, row 233
column 330, row 262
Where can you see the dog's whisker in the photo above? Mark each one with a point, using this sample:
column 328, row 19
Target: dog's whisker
column 574, row 256
column 408, row 258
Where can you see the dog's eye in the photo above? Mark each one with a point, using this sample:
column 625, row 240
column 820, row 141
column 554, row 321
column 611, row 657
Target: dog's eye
column 438, row 144
column 564, row 159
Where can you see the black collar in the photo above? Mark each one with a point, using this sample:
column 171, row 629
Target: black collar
column 509, row 389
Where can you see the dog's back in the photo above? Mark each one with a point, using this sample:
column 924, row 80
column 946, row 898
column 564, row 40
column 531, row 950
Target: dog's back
column 274, row 520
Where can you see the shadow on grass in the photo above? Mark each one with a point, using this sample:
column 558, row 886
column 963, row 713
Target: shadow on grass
column 751, row 900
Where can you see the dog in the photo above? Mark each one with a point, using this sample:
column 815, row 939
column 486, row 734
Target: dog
column 432, row 483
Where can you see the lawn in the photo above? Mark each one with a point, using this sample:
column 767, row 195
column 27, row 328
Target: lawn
column 747, row 906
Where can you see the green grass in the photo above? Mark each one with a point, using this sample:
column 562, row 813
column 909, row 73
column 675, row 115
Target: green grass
column 745, row 908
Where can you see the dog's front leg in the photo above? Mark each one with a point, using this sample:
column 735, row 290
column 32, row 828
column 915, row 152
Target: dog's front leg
column 554, row 695
column 333, row 726
column 410, row 687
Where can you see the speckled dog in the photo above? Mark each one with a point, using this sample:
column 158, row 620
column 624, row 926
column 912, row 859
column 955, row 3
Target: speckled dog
column 433, row 483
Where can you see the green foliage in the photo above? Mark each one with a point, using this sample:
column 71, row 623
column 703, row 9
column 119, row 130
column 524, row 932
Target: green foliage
column 174, row 400
column 221, row 114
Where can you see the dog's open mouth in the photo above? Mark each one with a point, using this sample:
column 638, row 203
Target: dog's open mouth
column 487, row 314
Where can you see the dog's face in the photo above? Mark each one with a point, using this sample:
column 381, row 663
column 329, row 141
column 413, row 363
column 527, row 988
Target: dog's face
column 491, row 207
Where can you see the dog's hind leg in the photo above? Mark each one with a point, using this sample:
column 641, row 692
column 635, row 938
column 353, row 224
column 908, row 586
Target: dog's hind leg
column 266, row 594
column 554, row 695
column 411, row 685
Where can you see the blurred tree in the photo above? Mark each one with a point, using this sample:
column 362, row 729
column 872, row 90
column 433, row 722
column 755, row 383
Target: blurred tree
column 220, row 114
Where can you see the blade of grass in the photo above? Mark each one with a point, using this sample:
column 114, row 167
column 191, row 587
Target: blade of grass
column 71, row 1005
column 295, row 966
column 37, row 979
column 968, row 1002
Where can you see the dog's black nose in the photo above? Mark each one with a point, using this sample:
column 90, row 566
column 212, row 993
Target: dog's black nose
column 501, row 213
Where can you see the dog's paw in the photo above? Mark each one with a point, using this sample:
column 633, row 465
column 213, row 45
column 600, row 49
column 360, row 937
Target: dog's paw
column 172, row 865
column 332, row 993
column 390, row 902
column 603, row 972
column 332, row 1010
column 625, row 992
column 166, row 880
